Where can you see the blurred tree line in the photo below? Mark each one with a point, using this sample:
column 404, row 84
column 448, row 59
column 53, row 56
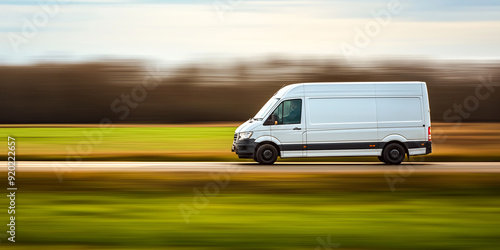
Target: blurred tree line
column 130, row 92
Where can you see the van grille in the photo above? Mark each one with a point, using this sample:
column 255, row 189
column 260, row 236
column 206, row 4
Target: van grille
column 235, row 137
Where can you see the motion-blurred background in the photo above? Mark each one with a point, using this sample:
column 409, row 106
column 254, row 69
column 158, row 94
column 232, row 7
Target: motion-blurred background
column 232, row 91
column 130, row 80
column 126, row 62
column 151, row 105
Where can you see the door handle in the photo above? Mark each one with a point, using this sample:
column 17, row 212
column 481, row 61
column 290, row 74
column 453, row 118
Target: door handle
column 296, row 128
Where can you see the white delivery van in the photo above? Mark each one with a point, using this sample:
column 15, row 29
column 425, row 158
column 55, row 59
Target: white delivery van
column 384, row 119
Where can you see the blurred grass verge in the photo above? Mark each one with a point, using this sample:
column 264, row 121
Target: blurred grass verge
column 257, row 211
column 451, row 142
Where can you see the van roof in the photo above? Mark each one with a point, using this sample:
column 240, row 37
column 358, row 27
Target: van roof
column 381, row 82
column 405, row 88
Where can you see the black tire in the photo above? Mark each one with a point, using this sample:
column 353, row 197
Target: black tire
column 266, row 154
column 381, row 158
column 394, row 154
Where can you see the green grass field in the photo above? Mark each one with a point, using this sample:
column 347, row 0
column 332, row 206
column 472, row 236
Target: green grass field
column 256, row 211
column 123, row 143
column 470, row 142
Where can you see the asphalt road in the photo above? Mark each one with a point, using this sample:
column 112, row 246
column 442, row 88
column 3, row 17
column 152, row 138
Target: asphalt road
column 285, row 167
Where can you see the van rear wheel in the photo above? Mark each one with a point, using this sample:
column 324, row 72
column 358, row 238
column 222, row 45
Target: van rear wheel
column 394, row 154
column 266, row 154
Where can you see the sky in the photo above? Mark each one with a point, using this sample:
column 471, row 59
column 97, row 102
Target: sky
column 176, row 31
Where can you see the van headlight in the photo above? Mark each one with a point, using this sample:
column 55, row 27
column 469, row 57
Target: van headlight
column 245, row 135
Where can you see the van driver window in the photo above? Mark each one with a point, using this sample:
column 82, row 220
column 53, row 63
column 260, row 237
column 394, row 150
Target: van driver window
column 288, row 112
column 292, row 111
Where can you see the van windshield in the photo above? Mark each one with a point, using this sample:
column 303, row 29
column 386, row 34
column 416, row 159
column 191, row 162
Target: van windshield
column 263, row 111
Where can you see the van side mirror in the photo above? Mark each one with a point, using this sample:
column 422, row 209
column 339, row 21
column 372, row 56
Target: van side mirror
column 268, row 121
column 271, row 120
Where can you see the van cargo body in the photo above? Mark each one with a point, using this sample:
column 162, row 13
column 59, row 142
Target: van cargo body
column 385, row 119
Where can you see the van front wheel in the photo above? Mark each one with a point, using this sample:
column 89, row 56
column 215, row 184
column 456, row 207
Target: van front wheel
column 266, row 154
column 394, row 154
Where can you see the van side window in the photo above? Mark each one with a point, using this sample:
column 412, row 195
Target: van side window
column 292, row 110
column 288, row 112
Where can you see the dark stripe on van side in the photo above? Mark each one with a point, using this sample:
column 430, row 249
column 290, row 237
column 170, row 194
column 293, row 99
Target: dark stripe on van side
column 416, row 144
column 348, row 145
column 292, row 147
column 410, row 144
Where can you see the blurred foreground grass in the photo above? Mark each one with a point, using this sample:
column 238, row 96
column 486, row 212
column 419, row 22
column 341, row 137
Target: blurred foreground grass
column 256, row 211
column 451, row 142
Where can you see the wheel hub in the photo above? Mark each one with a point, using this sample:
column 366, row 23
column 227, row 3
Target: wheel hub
column 267, row 154
column 394, row 153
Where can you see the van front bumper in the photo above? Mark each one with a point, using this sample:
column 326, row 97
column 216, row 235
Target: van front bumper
column 244, row 148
